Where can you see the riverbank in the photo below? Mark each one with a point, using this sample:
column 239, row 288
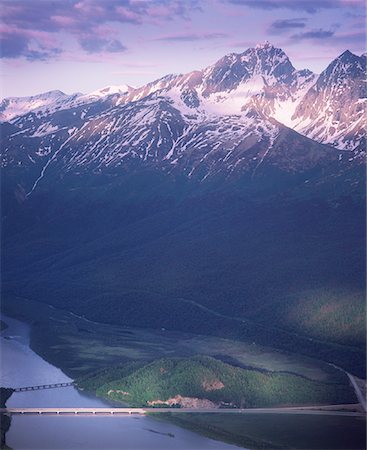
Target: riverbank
column 5, row 420
column 277, row 431
column 35, row 432
column 79, row 347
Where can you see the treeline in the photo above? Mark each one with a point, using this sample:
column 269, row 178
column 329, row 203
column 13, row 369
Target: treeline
column 93, row 381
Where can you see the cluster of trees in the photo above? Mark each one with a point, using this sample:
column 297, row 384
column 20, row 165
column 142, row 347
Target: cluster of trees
column 140, row 383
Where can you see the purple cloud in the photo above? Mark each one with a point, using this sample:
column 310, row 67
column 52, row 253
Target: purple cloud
column 30, row 44
column 115, row 46
column 191, row 37
column 310, row 6
column 83, row 19
column 281, row 26
column 12, row 46
column 42, row 55
column 94, row 44
column 350, row 37
column 314, row 34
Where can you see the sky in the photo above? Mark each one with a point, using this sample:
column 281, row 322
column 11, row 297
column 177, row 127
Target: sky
column 84, row 45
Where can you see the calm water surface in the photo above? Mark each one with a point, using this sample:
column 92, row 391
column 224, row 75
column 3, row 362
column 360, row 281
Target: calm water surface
column 20, row 366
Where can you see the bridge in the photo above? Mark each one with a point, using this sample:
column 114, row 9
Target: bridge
column 43, row 386
column 328, row 410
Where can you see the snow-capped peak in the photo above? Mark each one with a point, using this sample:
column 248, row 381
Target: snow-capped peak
column 264, row 45
column 11, row 107
column 110, row 90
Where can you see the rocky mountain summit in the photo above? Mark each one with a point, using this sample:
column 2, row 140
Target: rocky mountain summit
column 333, row 111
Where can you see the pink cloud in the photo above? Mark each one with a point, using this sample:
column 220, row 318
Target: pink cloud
column 353, row 2
column 160, row 11
column 43, row 37
column 105, row 30
column 64, row 21
column 351, row 34
column 125, row 14
column 89, row 8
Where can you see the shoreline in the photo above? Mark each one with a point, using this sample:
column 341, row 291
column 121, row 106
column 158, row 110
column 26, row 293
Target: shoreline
column 150, row 426
column 205, row 427
column 37, row 344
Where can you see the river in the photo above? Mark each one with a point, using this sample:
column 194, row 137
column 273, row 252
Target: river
column 20, row 366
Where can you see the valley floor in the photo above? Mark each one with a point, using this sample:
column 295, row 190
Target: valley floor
column 79, row 346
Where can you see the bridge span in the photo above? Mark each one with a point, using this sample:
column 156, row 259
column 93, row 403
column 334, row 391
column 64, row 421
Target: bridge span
column 43, row 386
column 329, row 410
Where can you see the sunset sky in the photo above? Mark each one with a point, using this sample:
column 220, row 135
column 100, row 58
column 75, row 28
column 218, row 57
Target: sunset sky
column 83, row 45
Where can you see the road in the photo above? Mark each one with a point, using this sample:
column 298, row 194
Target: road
column 326, row 410
column 359, row 394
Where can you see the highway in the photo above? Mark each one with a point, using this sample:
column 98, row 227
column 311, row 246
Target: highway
column 327, row 410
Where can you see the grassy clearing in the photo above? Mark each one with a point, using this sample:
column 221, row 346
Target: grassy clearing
column 80, row 347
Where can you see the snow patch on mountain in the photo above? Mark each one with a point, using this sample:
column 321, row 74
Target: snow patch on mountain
column 234, row 101
column 44, row 130
column 284, row 109
column 106, row 91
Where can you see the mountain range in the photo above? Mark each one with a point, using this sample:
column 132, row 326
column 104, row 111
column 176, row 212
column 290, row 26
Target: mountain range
column 213, row 202
column 225, row 118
